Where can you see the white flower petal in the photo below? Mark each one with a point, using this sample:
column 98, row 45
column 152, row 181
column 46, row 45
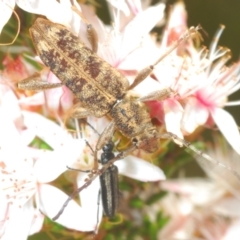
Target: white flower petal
column 9, row 135
column 90, row 199
column 199, row 190
column 34, row 100
column 45, row 129
column 173, row 115
column 139, row 169
column 147, row 86
column 120, row 5
column 228, row 207
column 133, row 33
column 228, row 127
column 14, row 229
column 11, row 107
column 6, row 9
column 233, row 232
column 194, row 115
column 53, row 163
column 27, row 136
column 146, row 19
column 73, row 217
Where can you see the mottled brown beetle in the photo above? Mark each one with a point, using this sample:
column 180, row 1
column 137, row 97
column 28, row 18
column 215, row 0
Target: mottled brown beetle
column 100, row 88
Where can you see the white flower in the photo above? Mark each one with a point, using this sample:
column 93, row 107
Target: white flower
column 216, row 83
column 25, row 172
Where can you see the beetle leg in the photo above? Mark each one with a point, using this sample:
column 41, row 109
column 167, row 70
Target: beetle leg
column 121, row 155
column 36, row 83
column 78, row 170
column 76, row 111
column 158, row 95
column 144, row 73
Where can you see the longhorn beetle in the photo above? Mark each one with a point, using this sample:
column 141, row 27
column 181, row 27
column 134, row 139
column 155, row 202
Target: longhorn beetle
column 100, row 88
column 108, row 176
column 109, row 190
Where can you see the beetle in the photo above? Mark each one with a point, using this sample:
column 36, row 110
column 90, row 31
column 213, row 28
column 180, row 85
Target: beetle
column 109, row 189
column 99, row 87
column 109, row 182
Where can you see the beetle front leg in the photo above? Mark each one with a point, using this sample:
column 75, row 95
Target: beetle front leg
column 77, row 111
column 158, row 95
column 35, row 83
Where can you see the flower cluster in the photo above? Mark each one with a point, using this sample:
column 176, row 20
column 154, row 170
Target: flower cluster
column 33, row 124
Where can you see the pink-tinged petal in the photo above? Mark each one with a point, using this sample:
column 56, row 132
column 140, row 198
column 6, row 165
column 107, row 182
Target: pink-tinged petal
column 51, row 164
column 19, row 222
column 47, row 130
column 176, row 228
column 194, row 115
column 53, row 95
column 136, row 6
column 156, row 110
column 228, row 127
column 173, row 115
column 6, row 9
column 90, row 199
column 178, row 16
column 51, row 200
column 66, row 99
column 198, row 190
column 233, row 232
column 176, row 24
column 228, row 207
column 35, row 100
column 120, row 5
column 132, row 167
column 57, row 97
